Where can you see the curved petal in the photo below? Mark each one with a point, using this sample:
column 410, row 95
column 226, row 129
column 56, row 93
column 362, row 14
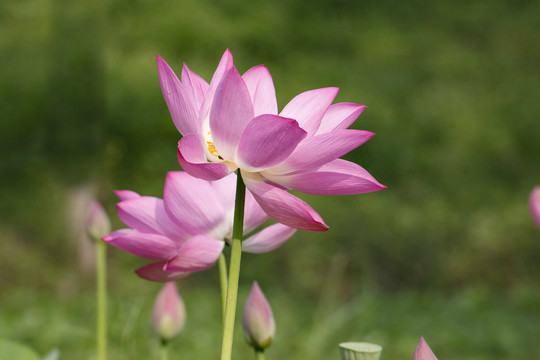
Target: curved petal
column 267, row 141
column 282, row 206
column 268, row 239
column 254, row 215
column 195, row 88
column 192, row 203
column 145, row 245
column 339, row 116
column 261, row 88
column 126, row 194
column 147, row 214
column 308, row 108
column 192, row 159
column 182, row 110
column 198, row 253
column 339, row 177
column 155, row 272
column 321, row 149
column 224, row 65
column 231, row 112
column 225, row 189
column 116, row 233
column 534, row 205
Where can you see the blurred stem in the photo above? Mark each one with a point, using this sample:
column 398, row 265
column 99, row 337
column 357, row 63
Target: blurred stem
column 259, row 354
column 101, row 299
column 222, row 265
column 164, row 351
column 234, row 269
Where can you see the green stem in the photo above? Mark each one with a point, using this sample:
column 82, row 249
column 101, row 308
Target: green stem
column 259, row 354
column 101, row 299
column 234, row 269
column 222, row 265
column 164, row 351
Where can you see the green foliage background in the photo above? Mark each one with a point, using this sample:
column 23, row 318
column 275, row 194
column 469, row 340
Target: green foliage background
column 452, row 93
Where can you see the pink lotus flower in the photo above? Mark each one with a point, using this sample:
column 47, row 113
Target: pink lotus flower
column 169, row 312
column 423, row 351
column 534, row 205
column 233, row 123
column 258, row 319
column 186, row 229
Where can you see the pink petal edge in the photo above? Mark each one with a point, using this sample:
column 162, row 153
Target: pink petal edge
column 318, row 150
column 284, row 207
column 534, row 205
column 182, row 109
column 309, row 107
column 267, row 141
column 339, row 116
column 126, row 194
column 338, row 177
column 197, row 254
column 423, row 351
column 148, row 246
column 231, row 111
column 192, row 159
column 261, row 88
column 268, row 239
column 193, row 203
column 154, row 272
column 225, row 63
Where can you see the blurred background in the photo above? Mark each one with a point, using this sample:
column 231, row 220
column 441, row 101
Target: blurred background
column 448, row 251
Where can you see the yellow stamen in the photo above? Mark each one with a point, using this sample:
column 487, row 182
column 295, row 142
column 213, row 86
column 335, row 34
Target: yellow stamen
column 211, row 147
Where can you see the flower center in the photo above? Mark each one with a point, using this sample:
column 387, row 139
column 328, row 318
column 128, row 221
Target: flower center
column 211, row 147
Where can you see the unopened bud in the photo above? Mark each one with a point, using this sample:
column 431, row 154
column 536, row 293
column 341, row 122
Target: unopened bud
column 97, row 221
column 258, row 319
column 169, row 314
column 423, row 351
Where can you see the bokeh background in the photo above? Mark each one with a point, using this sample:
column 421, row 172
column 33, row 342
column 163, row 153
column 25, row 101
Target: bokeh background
column 448, row 251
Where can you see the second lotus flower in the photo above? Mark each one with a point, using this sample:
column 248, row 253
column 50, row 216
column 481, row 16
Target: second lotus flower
column 233, row 123
column 187, row 229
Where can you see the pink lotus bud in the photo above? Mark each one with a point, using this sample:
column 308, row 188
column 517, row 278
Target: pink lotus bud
column 169, row 314
column 423, row 352
column 97, row 221
column 534, row 205
column 258, row 320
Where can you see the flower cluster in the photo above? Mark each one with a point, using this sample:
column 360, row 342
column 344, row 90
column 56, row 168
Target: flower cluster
column 232, row 133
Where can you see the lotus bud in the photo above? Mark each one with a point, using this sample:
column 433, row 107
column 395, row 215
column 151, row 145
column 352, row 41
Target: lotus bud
column 423, row 352
column 534, row 205
column 169, row 314
column 97, row 221
column 258, row 319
